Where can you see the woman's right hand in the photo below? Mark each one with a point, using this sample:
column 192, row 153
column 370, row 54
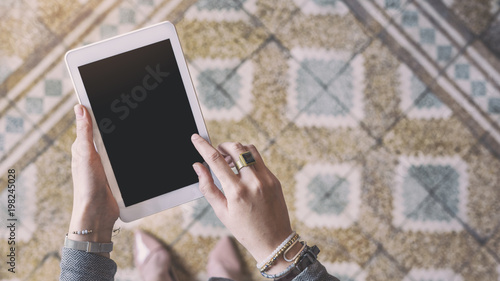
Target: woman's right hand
column 252, row 207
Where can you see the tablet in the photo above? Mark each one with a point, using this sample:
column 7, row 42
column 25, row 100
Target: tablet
column 144, row 110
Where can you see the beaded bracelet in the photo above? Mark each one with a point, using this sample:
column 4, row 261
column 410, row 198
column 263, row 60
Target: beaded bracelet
column 82, row 232
column 261, row 264
column 280, row 251
column 304, row 249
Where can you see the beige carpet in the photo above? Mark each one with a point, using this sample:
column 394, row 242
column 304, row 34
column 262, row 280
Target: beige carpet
column 380, row 117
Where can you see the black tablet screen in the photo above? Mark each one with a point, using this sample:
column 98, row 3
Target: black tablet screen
column 142, row 111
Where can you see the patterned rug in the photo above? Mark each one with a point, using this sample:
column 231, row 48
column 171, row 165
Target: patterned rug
column 380, row 117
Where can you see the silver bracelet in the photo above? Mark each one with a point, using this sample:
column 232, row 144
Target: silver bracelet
column 86, row 246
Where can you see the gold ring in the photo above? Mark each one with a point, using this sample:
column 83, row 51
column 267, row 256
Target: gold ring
column 245, row 159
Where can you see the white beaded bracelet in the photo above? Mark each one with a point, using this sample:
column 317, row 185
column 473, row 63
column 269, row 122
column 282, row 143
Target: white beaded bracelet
column 261, row 264
column 82, row 232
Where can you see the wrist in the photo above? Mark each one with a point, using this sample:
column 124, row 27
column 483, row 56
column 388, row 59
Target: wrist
column 96, row 232
column 99, row 230
column 102, row 249
column 90, row 219
column 96, row 235
column 278, row 260
column 306, row 257
column 281, row 264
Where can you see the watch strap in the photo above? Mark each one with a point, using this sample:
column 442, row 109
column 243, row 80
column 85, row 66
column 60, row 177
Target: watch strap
column 86, row 246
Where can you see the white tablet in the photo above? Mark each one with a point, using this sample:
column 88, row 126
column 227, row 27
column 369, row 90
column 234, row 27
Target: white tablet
column 144, row 110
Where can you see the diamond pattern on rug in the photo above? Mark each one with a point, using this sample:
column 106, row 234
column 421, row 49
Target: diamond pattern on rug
column 423, row 32
column 223, row 87
column 430, row 193
column 323, row 88
column 392, row 7
column 415, row 95
column 46, row 94
column 13, row 128
column 122, row 19
column 477, row 86
column 14, row 124
column 200, row 219
column 327, row 195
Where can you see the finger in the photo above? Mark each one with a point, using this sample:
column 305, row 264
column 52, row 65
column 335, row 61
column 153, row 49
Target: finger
column 83, row 124
column 234, row 149
column 229, row 160
column 207, row 187
column 83, row 147
column 214, row 159
column 259, row 161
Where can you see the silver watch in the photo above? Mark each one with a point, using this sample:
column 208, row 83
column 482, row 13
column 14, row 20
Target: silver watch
column 86, row 246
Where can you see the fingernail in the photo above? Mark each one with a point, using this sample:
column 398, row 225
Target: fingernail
column 78, row 111
column 195, row 136
column 196, row 169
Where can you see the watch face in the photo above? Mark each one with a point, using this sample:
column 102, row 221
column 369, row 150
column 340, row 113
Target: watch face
column 247, row 157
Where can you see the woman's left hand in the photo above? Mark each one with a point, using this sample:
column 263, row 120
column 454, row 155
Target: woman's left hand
column 94, row 207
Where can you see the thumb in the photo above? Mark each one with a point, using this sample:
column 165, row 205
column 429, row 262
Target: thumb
column 211, row 192
column 83, row 124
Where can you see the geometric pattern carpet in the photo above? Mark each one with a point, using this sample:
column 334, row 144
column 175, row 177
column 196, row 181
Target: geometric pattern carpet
column 381, row 118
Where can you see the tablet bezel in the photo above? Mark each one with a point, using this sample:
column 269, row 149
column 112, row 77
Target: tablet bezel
column 117, row 45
